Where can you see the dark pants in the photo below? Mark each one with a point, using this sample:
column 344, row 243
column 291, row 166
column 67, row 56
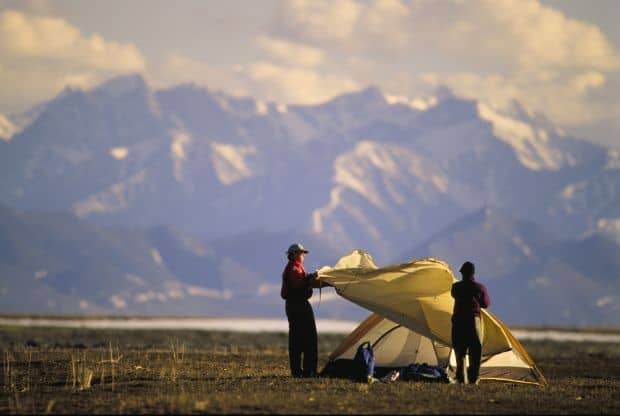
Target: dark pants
column 302, row 337
column 466, row 338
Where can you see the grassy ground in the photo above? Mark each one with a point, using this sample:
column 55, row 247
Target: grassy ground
column 107, row 371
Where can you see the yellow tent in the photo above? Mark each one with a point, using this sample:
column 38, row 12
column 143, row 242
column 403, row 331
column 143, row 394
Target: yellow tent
column 412, row 319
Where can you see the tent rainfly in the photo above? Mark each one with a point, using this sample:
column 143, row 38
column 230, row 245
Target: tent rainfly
column 411, row 322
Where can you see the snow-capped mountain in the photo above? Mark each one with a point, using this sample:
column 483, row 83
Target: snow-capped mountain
column 382, row 192
column 472, row 157
column 364, row 170
column 202, row 161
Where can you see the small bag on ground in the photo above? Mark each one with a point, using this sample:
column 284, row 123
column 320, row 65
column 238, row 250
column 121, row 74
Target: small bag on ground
column 424, row 372
column 364, row 362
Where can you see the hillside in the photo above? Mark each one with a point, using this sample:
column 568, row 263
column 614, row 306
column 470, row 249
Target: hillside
column 532, row 277
column 57, row 263
column 245, row 178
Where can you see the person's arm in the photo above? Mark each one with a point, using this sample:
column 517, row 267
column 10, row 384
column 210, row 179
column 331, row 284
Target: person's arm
column 316, row 282
column 483, row 298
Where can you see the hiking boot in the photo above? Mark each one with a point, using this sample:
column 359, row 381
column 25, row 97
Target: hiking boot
column 371, row 380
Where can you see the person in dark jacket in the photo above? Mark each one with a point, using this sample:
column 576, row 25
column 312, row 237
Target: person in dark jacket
column 296, row 290
column 469, row 296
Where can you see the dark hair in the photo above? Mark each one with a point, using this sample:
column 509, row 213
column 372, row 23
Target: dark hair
column 467, row 269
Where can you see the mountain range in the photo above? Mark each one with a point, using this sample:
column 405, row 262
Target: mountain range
column 219, row 186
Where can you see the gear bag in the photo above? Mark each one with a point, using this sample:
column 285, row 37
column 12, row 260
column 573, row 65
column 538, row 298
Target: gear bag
column 424, row 372
column 364, row 361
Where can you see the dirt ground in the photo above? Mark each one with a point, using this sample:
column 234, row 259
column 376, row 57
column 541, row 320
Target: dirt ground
column 106, row 371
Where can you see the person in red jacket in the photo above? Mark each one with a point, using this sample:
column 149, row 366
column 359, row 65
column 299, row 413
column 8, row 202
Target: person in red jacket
column 296, row 290
column 469, row 296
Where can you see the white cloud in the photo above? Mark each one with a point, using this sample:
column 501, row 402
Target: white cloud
column 495, row 50
column 385, row 23
column 520, row 34
column 587, row 80
column 25, row 36
column 263, row 79
column 317, row 20
column 40, row 55
column 296, row 85
column 474, row 35
column 564, row 98
column 175, row 68
column 287, row 71
column 290, row 53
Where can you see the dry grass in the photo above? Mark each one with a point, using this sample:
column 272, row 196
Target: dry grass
column 96, row 371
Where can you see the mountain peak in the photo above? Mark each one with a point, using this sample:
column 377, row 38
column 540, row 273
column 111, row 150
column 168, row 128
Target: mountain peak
column 369, row 95
column 122, row 85
column 371, row 92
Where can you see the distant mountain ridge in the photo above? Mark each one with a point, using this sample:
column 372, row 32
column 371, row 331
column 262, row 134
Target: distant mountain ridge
column 57, row 263
column 124, row 154
column 363, row 170
column 530, row 274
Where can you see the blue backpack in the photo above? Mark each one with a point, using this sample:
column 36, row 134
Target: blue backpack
column 364, row 361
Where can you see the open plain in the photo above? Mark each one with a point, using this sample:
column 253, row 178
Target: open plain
column 69, row 370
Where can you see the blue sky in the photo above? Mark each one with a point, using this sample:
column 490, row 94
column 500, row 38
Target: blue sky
column 559, row 57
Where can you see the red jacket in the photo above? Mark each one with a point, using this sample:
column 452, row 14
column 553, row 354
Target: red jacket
column 296, row 284
column 469, row 296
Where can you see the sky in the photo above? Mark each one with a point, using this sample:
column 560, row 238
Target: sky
column 557, row 57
